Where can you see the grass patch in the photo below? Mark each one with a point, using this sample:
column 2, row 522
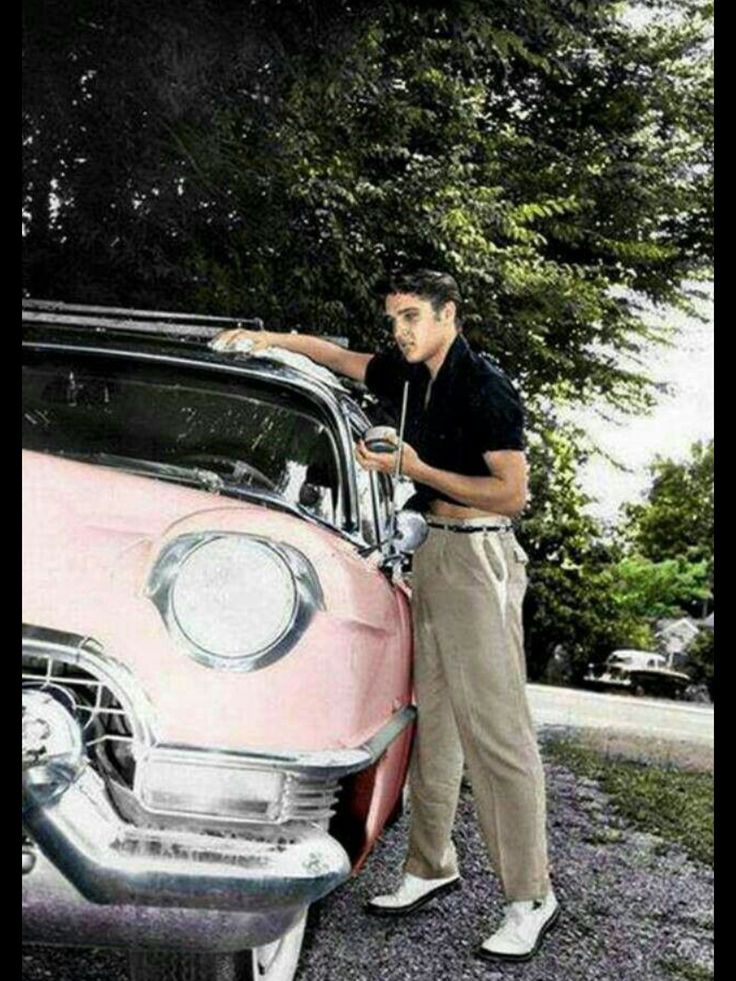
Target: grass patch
column 682, row 754
column 686, row 970
column 669, row 802
column 607, row 837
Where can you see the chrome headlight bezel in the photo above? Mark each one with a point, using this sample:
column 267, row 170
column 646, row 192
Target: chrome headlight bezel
column 307, row 598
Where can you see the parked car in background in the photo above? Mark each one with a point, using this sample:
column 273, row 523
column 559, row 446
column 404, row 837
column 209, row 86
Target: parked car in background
column 639, row 673
column 217, row 699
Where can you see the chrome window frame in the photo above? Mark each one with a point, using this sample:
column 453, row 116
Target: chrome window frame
column 359, row 422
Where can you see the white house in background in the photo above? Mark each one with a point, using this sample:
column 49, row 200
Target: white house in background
column 675, row 636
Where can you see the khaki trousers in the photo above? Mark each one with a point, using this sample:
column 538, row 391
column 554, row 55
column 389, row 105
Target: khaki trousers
column 469, row 677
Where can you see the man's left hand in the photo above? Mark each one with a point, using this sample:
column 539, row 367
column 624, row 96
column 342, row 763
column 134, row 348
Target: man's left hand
column 386, row 462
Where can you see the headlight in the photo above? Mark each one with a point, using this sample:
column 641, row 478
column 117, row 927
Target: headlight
column 233, row 596
column 232, row 600
column 53, row 751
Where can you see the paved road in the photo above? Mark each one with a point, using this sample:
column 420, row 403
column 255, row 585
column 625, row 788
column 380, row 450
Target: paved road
column 656, row 717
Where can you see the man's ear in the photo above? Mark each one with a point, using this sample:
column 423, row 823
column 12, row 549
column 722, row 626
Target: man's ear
column 448, row 311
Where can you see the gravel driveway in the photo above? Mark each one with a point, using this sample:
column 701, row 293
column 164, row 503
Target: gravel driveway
column 631, row 906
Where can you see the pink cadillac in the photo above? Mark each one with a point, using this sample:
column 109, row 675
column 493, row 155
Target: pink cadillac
column 217, row 705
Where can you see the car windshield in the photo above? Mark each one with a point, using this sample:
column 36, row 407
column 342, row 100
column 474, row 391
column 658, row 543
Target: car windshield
column 226, row 433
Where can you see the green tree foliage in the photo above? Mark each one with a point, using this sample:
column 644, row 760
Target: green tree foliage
column 701, row 660
column 274, row 158
column 570, row 602
column 677, row 517
column 669, row 537
column 586, row 593
column 649, row 590
column 277, row 159
column 115, row 199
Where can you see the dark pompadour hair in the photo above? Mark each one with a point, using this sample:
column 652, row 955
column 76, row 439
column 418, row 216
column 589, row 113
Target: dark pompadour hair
column 437, row 287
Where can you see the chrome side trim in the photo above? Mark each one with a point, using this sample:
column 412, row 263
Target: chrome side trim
column 315, row 764
column 380, row 742
column 309, row 793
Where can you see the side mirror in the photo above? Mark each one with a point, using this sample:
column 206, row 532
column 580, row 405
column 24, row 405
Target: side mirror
column 410, row 531
column 317, row 498
column 309, row 495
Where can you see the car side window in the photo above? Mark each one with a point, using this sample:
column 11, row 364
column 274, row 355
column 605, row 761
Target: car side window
column 366, row 507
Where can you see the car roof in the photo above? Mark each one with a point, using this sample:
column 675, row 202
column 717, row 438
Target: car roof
column 174, row 335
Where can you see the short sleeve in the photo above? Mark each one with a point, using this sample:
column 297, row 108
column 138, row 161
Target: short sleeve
column 385, row 374
column 496, row 415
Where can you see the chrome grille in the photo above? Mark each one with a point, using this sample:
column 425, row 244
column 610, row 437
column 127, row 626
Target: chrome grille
column 75, row 672
column 91, row 701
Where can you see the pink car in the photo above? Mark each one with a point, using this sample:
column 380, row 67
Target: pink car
column 217, row 700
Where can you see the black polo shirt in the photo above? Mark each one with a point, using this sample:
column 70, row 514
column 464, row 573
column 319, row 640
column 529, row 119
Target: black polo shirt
column 471, row 408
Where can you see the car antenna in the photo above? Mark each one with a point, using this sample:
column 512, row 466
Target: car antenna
column 399, row 457
column 402, row 425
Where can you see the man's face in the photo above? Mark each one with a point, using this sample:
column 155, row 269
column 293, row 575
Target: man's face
column 417, row 329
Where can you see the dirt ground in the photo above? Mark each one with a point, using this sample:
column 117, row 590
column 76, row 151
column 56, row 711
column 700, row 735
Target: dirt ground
column 634, row 907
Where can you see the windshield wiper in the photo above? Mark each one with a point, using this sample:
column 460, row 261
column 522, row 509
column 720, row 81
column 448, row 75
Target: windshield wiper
column 267, row 496
column 202, row 477
column 208, row 479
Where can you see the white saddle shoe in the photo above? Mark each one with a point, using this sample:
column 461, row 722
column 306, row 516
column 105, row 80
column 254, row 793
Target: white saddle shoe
column 523, row 928
column 412, row 894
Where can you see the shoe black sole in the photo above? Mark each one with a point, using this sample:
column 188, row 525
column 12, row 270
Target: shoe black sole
column 396, row 911
column 486, row 955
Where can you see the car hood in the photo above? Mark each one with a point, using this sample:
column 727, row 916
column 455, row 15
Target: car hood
column 90, row 536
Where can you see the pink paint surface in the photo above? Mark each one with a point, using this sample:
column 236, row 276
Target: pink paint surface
column 90, row 536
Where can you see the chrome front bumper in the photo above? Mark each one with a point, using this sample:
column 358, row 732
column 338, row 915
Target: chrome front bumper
column 104, row 866
column 54, row 912
column 91, row 878
column 112, row 862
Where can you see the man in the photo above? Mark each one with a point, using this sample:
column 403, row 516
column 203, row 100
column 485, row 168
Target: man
column 464, row 451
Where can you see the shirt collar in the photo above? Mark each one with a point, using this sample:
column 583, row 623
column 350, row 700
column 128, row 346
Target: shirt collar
column 456, row 354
